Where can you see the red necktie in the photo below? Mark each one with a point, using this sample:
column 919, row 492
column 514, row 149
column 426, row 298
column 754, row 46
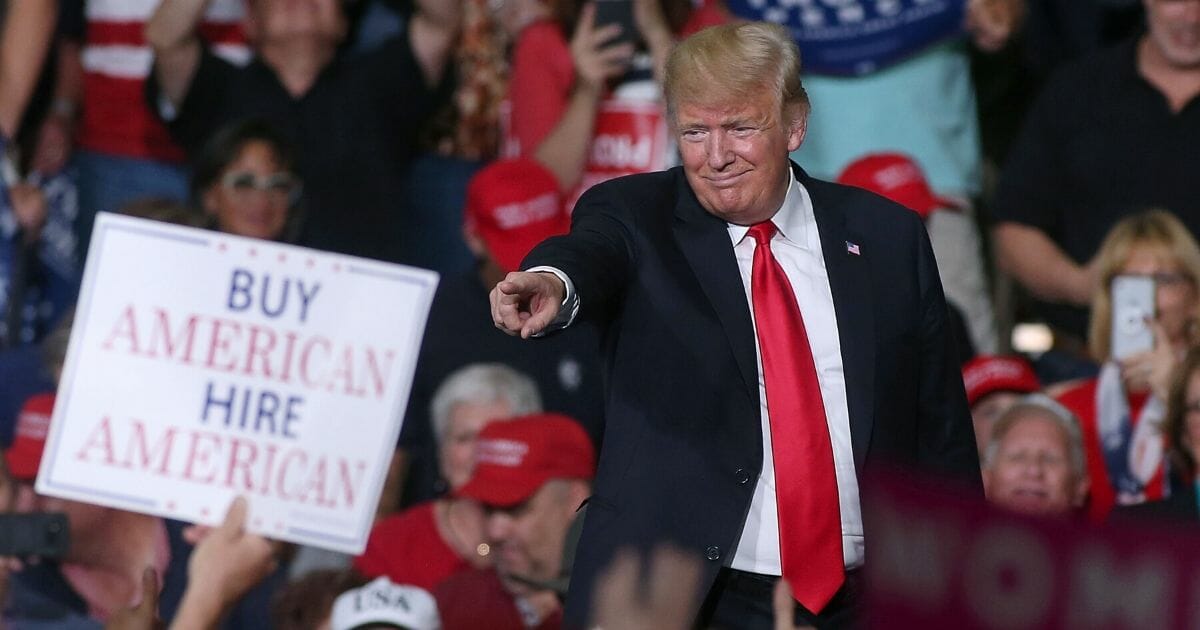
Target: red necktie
column 806, row 493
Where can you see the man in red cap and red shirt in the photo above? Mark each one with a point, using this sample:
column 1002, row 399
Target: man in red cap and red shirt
column 511, row 206
column 532, row 474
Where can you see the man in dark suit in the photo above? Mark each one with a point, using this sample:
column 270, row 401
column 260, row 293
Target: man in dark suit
column 768, row 337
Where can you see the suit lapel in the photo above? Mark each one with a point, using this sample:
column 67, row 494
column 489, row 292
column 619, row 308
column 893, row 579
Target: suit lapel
column 704, row 240
column 849, row 281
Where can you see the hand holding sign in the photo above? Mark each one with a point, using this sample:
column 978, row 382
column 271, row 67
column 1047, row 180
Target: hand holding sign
column 226, row 564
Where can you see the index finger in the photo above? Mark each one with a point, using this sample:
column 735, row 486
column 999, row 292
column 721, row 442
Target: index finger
column 587, row 17
column 505, row 311
column 235, row 518
column 515, row 283
column 511, row 291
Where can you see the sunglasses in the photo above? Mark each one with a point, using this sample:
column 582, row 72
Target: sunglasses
column 279, row 187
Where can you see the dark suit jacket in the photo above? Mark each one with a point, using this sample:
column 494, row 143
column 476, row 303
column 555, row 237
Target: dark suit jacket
column 683, row 443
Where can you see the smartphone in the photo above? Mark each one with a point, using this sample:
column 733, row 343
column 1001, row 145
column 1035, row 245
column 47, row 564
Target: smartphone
column 1132, row 310
column 618, row 12
column 42, row 534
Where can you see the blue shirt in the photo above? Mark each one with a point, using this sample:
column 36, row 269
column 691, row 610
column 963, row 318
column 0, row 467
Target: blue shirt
column 924, row 107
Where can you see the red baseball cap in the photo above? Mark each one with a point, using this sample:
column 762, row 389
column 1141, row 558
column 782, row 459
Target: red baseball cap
column 33, row 422
column 986, row 374
column 897, row 177
column 514, row 458
column 513, row 205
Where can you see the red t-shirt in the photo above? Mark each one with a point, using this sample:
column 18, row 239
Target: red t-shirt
column 709, row 13
column 116, row 61
column 408, row 549
column 538, row 88
column 543, row 74
column 476, row 599
column 1081, row 400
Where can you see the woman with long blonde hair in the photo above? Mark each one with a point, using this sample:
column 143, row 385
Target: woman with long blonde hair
column 1122, row 410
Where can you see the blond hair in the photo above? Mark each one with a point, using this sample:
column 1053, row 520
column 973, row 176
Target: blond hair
column 725, row 63
column 1157, row 229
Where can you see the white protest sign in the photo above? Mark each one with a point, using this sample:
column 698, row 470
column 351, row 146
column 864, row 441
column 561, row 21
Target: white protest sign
column 202, row 366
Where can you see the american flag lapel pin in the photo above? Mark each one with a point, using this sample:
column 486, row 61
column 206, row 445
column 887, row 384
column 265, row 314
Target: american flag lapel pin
column 852, row 248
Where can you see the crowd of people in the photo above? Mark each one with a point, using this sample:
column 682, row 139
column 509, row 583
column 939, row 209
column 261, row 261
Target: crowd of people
column 457, row 135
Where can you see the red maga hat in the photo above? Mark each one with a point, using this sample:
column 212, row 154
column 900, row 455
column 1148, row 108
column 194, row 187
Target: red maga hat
column 897, row 177
column 25, row 454
column 514, row 458
column 986, row 374
column 513, row 205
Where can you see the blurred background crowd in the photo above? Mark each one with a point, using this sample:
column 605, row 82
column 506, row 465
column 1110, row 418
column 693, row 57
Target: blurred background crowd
column 1052, row 147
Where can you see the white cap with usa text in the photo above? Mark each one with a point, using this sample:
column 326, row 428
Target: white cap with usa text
column 381, row 603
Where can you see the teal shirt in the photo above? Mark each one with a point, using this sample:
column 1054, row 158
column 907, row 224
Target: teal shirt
column 924, row 106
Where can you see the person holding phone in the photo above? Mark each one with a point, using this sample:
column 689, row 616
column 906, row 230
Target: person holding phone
column 1122, row 410
column 585, row 71
column 100, row 571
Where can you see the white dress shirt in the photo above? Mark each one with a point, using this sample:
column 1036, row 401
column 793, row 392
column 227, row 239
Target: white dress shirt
column 797, row 247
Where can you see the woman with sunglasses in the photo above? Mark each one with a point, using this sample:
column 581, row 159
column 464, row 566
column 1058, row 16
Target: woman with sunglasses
column 1122, row 411
column 245, row 182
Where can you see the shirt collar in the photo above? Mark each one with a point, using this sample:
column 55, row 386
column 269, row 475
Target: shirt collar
column 792, row 219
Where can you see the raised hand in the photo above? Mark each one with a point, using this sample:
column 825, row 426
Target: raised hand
column 652, row 24
column 658, row 603
column 1152, row 369
column 225, row 564
column 596, row 60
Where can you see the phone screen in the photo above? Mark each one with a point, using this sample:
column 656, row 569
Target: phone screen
column 1132, row 310
column 42, row 534
column 618, row 12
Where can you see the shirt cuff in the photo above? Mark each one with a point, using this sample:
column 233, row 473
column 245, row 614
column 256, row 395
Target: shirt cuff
column 569, row 308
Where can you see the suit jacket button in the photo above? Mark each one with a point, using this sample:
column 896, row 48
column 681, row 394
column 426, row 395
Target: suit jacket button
column 742, row 476
column 713, row 553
